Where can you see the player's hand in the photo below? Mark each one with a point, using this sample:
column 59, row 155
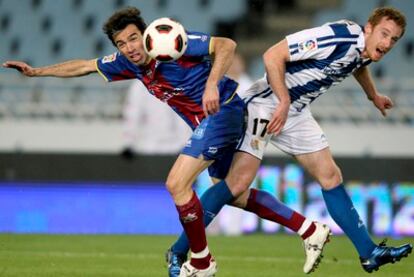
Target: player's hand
column 211, row 100
column 383, row 103
column 22, row 67
column 279, row 118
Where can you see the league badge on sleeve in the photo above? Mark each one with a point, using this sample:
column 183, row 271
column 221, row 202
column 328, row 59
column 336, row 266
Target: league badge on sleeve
column 109, row 58
column 308, row 45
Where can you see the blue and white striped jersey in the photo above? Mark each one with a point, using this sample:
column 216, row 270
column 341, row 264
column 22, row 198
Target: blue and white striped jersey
column 319, row 58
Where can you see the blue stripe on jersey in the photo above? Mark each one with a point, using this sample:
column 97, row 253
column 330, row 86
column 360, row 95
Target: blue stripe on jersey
column 340, row 29
column 296, row 66
column 315, row 85
column 335, row 42
column 340, row 51
column 336, row 37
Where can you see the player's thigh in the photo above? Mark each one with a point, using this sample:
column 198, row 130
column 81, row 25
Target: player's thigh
column 242, row 172
column 185, row 171
column 322, row 167
column 300, row 135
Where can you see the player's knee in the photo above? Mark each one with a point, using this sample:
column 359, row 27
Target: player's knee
column 238, row 184
column 173, row 186
column 331, row 179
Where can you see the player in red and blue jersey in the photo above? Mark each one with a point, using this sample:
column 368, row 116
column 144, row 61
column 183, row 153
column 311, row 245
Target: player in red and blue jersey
column 197, row 90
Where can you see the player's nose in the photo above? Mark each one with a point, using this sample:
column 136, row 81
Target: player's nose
column 129, row 47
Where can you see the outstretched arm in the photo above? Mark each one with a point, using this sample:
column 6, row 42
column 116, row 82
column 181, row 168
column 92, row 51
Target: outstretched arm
column 223, row 51
column 72, row 68
column 275, row 59
column 382, row 102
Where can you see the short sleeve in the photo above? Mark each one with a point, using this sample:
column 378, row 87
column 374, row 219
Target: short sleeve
column 305, row 44
column 198, row 44
column 115, row 67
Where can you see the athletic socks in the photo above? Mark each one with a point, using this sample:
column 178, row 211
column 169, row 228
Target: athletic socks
column 191, row 217
column 259, row 202
column 342, row 210
column 268, row 207
column 212, row 201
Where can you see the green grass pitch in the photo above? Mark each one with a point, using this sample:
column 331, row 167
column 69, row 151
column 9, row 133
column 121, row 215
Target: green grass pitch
column 124, row 255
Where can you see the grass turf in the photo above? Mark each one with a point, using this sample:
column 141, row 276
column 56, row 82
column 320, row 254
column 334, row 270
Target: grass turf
column 124, row 255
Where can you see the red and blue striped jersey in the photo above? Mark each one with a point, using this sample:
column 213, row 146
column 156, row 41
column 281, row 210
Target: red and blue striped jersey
column 180, row 83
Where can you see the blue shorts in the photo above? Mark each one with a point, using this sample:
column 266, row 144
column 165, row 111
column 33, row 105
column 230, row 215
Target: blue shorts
column 217, row 136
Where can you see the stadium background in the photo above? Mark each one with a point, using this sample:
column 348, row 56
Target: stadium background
column 60, row 139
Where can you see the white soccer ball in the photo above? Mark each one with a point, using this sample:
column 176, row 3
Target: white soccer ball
column 165, row 40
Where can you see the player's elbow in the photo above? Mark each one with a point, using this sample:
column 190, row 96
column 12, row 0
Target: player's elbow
column 230, row 44
column 221, row 43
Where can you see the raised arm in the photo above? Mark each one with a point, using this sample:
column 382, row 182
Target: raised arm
column 382, row 102
column 275, row 59
column 72, row 68
column 223, row 51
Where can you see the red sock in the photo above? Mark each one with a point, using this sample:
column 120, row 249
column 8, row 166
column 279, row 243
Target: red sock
column 191, row 217
column 268, row 207
column 311, row 229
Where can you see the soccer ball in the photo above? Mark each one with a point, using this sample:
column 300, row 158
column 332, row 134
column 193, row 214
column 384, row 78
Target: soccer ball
column 165, row 40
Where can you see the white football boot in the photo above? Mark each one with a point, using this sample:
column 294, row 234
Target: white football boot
column 187, row 270
column 314, row 246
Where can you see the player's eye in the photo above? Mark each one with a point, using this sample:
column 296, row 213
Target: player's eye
column 133, row 38
column 394, row 39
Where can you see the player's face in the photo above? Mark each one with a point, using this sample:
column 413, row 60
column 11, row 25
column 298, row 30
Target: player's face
column 381, row 38
column 129, row 43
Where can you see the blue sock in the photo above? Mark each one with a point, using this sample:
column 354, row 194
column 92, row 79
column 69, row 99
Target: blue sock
column 212, row 201
column 342, row 210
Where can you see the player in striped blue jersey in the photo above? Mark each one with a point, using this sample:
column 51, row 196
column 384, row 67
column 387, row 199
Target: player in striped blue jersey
column 299, row 69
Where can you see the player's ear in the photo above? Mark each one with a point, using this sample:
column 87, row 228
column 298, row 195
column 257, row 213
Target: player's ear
column 368, row 28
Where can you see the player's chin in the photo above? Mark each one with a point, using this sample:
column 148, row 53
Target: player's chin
column 136, row 59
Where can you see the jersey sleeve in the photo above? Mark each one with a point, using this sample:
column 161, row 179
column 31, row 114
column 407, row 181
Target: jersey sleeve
column 198, row 44
column 114, row 68
column 307, row 44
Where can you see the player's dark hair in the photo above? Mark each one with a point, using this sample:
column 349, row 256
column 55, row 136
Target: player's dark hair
column 121, row 19
column 390, row 13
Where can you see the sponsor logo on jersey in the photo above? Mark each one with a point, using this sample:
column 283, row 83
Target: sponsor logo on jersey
column 167, row 95
column 109, row 58
column 308, row 45
column 212, row 150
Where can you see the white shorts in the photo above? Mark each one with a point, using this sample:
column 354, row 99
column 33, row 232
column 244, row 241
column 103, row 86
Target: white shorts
column 300, row 135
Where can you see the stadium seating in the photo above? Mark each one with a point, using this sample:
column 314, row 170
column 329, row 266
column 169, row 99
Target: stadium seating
column 49, row 31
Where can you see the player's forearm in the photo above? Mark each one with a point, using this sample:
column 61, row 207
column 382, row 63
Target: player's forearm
column 72, row 68
column 223, row 51
column 275, row 66
column 363, row 76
